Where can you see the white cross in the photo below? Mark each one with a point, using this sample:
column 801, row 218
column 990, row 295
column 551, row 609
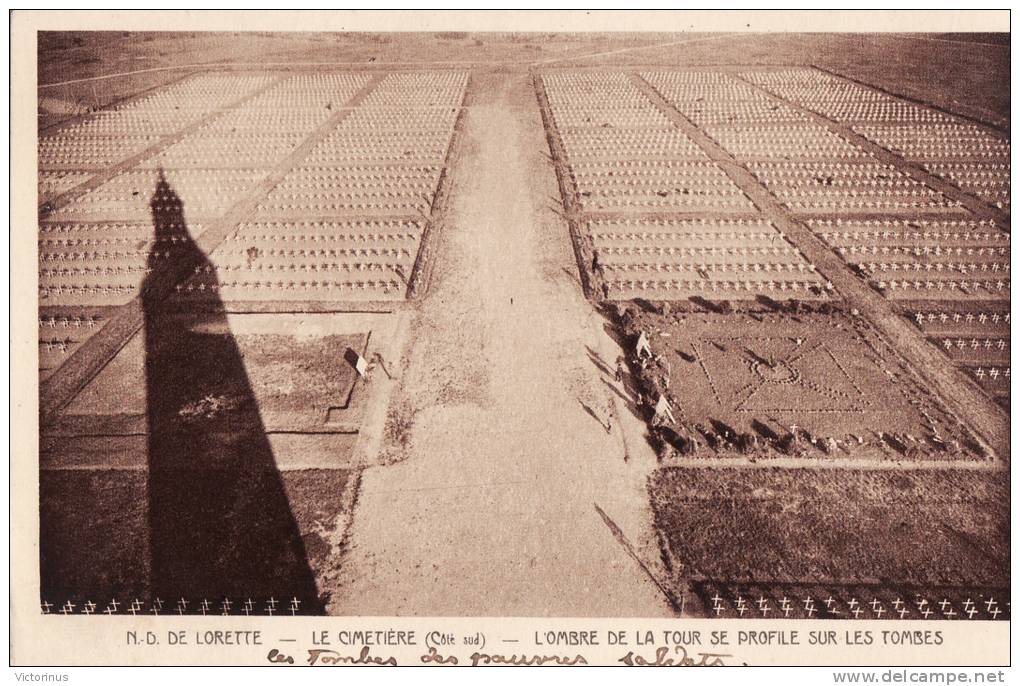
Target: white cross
column 809, row 605
column 46, row 607
column 763, row 605
column 294, row 602
column 785, row 606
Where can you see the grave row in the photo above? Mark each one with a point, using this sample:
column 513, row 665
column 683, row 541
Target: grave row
column 948, row 267
column 762, row 267
column 604, row 144
column 851, row 601
column 964, row 318
column 415, row 119
column 66, row 151
column 291, row 289
column 713, row 251
column 945, row 288
column 676, row 289
column 933, row 249
column 738, row 112
column 846, row 187
column 937, row 141
column 976, row 344
column 992, row 374
column 784, row 142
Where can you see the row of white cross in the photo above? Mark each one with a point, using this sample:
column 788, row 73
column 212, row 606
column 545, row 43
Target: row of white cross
column 807, row 201
column 304, row 267
column 719, row 201
column 322, row 237
column 87, row 321
column 670, row 284
column 993, row 373
column 410, row 203
column 78, row 227
column 205, row 607
column 387, row 286
column 109, row 240
column 975, row 344
column 84, row 289
column 811, row 607
column 962, row 267
column 967, row 317
column 943, row 285
column 701, row 252
column 61, row 345
column 917, row 251
column 323, row 252
column 71, row 272
column 303, row 195
column 102, row 255
column 327, row 177
column 791, row 267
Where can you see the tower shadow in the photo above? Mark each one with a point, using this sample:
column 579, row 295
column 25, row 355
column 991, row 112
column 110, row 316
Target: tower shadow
column 220, row 522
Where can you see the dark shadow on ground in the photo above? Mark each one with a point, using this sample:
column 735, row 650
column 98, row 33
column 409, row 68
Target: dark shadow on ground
column 220, row 522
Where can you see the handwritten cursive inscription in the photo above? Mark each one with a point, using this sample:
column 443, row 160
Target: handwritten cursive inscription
column 682, row 659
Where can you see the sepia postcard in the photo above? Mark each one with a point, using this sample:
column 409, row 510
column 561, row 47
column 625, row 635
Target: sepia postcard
column 527, row 338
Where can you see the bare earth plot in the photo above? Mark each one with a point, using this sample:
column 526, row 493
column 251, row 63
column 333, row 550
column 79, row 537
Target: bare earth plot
column 820, row 270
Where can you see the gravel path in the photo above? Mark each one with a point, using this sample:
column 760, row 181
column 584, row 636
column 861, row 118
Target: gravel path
column 511, row 499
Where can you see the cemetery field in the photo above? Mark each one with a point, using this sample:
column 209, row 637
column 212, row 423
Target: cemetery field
column 452, row 324
column 760, row 239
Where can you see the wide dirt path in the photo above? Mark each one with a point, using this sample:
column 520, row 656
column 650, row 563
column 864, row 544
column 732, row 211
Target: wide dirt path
column 495, row 506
